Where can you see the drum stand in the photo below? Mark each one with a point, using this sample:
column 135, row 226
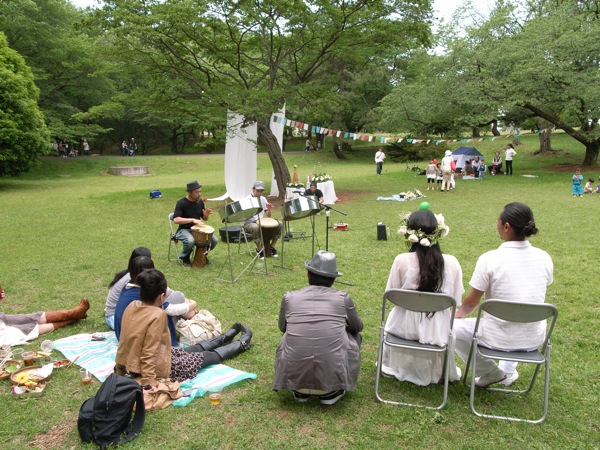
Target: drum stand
column 228, row 260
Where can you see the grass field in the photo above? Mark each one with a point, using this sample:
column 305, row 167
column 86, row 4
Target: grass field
column 67, row 227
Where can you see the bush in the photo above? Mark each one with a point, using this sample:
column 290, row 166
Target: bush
column 406, row 151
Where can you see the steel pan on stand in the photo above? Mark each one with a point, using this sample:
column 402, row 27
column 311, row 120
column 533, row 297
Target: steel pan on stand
column 240, row 210
column 300, row 208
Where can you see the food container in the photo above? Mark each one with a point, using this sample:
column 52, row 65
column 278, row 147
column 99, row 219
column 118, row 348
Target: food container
column 31, row 375
column 340, row 226
column 28, row 391
column 9, row 367
column 61, row 364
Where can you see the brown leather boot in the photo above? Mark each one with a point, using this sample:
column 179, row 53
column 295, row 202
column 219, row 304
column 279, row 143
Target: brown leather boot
column 64, row 315
column 58, row 325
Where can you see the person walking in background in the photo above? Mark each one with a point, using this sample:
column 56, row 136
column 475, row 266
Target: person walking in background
column 132, row 147
column 508, row 158
column 86, row 147
column 379, row 158
column 124, row 148
column 577, row 192
column 446, row 170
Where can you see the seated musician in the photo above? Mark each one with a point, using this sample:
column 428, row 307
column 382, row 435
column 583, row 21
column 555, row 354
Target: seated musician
column 251, row 225
column 312, row 190
column 190, row 211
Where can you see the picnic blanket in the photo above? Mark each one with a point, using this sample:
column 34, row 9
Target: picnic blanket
column 98, row 357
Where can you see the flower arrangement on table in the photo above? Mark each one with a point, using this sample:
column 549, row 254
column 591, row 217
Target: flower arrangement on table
column 411, row 195
column 295, row 185
column 320, row 177
column 417, row 236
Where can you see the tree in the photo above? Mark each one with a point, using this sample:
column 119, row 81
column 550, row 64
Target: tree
column 252, row 56
column 23, row 134
column 67, row 63
column 545, row 63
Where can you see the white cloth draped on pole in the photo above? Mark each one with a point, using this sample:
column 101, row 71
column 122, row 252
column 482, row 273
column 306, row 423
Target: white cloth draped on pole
column 277, row 130
column 240, row 158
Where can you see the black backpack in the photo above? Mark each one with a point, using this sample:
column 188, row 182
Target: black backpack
column 105, row 419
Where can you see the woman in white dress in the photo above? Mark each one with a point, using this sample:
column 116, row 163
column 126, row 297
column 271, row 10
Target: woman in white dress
column 424, row 268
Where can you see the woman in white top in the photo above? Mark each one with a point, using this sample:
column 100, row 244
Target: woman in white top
column 516, row 271
column 423, row 268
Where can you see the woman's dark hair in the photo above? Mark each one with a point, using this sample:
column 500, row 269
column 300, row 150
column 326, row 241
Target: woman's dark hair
column 319, row 280
column 140, row 251
column 152, row 283
column 431, row 261
column 140, row 264
column 520, row 217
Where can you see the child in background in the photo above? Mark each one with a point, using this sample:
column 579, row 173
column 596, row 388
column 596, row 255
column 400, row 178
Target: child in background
column 589, row 186
column 431, row 173
column 482, row 169
column 598, row 190
column 440, row 175
column 577, row 192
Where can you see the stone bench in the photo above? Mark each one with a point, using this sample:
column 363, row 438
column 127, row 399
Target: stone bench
column 129, row 171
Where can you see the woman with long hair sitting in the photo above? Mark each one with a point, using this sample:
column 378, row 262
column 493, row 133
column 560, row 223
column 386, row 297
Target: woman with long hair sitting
column 145, row 351
column 424, row 268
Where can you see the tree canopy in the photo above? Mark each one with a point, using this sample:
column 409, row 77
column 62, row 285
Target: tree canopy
column 23, row 134
column 253, row 56
column 543, row 62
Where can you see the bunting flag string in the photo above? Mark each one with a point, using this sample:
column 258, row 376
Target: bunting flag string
column 386, row 139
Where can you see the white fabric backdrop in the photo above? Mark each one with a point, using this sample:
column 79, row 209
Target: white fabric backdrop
column 277, row 129
column 240, row 158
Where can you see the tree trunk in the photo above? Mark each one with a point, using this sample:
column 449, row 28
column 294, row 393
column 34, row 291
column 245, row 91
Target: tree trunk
column 545, row 137
column 174, row 141
column 280, row 169
column 476, row 132
column 495, row 131
column 338, row 151
column 591, row 153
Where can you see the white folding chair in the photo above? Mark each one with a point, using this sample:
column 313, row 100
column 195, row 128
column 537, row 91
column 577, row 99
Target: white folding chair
column 418, row 302
column 173, row 241
column 517, row 312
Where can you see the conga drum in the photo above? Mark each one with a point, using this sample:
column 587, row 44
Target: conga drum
column 203, row 237
column 269, row 228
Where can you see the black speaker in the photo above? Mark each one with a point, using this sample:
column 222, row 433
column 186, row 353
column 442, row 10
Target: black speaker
column 381, row 232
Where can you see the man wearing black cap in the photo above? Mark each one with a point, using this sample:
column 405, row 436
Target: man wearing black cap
column 319, row 352
column 312, row 190
column 190, row 211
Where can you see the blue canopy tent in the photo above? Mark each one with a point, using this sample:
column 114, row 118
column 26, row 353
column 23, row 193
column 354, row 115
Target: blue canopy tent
column 462, row 154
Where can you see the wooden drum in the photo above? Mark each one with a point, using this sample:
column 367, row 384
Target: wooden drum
column 203, row 237
column 269, row 228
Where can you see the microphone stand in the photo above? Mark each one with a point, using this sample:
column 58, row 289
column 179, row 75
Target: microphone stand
column 327, row 213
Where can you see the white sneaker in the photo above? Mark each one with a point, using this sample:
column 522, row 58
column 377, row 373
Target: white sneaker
column 486, row 381
column 510, row 379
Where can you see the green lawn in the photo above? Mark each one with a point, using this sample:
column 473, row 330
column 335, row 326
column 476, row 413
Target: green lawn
column 67, row 227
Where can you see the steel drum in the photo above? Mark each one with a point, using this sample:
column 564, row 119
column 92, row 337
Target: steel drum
column 240, row 210
column 299, row 208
